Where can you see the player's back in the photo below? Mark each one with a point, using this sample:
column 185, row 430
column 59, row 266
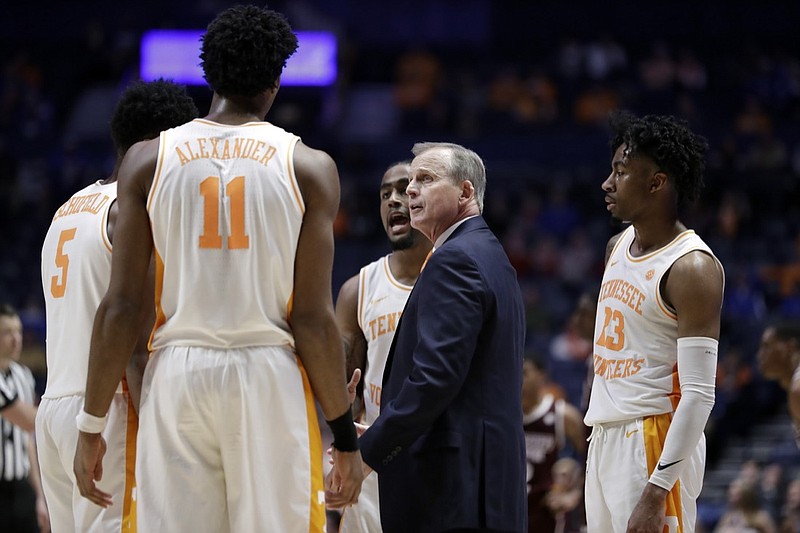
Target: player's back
column 226, row 213
column 76, row 267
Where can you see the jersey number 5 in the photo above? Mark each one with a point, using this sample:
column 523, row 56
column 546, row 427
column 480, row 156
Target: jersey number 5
column 210, row 191
column 612, row 336
column 58, row 287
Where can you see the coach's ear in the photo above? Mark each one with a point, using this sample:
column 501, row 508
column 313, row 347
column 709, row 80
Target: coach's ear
column 467, row 191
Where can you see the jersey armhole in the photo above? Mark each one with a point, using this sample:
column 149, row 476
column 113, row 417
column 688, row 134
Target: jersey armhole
column 362, row 280
column 104, row 220
column 151, row 195
column 292, row 177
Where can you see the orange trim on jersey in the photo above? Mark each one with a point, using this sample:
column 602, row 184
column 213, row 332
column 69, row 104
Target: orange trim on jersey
column 425, row 262
column 362, row 289
column 159, row 168
column 245, row 125
column 104, row 226
column 317, row 503
column 391, row 277
column 655, row 433
column 289, row 306
column 129, row 503
column 292, row 179
column 622, row 238
column 662, row 304
column 676, row 240
column 675, row 393
column 161, row 318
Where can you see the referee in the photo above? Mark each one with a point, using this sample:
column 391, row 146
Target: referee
column 20, row 488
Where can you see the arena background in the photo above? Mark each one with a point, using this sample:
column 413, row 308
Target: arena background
column 527, row 85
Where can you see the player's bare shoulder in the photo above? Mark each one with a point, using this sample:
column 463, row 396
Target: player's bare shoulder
column 612, row 242
column 139, row 165
column 694, row 288
column 697, row 268
column 348, row 294
column 315, row 171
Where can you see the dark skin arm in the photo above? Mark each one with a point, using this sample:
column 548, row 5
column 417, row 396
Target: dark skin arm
column 355, row 345
column 119, row 318
column 694, row 289
column 134, row 372
column 317, row 338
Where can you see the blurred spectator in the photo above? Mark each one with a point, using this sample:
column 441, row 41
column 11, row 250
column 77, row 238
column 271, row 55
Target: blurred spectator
column 657, row 71
column 514, row 102
column 594, row 104
column 543, row 92
column 604, row 58
column 790, row 521
column 779, row 359
column 767, row 154
column 551, row 425
column 786, row 275
column 546, row 256
column 744, row 512
column 578, row 258
column 744, row 302
column 570, row 58
column 690, row 73
column 419, row 78
column 565, row 499
column 558, row 216
column 752, row 120
column 772, row 490
column 571, row 351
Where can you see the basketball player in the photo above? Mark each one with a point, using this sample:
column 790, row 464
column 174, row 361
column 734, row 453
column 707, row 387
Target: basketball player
column 549, row 423
column 76, row 267
column 368, row 309
column 779, row 359
column 656, row 337
column 238, row 215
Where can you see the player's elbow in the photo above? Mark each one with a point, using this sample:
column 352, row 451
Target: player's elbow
column 315, row 326
column 120, row 307
column 700, row 396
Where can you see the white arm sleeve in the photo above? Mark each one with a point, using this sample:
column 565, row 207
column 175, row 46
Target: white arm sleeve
column 697, row 371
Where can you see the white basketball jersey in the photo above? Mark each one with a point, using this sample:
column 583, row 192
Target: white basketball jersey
column 381, row 299
column 636, row 333
column 226, row 211
column 76, row 267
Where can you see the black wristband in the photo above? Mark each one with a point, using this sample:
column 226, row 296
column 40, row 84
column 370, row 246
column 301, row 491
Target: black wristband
column 345, row 438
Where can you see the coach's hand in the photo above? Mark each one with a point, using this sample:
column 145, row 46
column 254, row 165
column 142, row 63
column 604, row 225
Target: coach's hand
column 88, row 467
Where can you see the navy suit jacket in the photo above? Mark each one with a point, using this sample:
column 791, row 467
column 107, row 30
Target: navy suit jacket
column 448, row 445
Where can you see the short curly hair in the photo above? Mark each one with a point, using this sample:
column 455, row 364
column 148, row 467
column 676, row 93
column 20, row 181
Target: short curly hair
column 245, row 49
column 145, row 109
column 677, row 151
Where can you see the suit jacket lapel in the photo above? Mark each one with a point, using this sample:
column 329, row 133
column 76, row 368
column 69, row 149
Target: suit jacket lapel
column 472, row 224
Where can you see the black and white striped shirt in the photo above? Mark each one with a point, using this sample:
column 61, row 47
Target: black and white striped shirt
column 16, row 384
